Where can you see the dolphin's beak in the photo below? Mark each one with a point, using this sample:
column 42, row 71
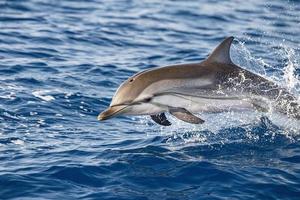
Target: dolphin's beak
column 110, row 112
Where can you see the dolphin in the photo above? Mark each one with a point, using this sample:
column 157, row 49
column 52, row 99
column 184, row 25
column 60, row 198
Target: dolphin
column 214, row 85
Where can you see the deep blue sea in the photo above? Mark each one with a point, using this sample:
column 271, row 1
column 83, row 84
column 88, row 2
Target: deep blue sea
column 61, row 62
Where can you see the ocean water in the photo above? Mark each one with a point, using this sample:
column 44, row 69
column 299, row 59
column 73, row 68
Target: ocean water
column 61, row 62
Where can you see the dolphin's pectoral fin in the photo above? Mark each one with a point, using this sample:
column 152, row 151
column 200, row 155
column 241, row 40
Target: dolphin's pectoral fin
column 161, row 119
column 185, row 115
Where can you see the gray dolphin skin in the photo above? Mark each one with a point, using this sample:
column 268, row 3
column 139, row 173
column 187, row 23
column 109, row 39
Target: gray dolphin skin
column 213, row 85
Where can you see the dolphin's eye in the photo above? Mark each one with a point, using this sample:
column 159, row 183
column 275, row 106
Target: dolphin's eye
column 131, row 80
column 147, row 99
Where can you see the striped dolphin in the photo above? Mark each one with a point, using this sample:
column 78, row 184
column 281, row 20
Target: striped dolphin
column 213, row 85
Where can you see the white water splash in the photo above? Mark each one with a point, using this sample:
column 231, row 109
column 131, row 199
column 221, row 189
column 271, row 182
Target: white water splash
column 284, row 75
column 290, row 78
column 242, row 56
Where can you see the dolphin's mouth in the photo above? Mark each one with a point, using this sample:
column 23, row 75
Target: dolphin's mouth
column 111, row 111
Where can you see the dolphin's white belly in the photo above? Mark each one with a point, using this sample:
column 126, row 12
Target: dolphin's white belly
column 216, row 105
column 200, row 104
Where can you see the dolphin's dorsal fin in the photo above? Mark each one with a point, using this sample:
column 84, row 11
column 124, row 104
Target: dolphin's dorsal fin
column 221, row 53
